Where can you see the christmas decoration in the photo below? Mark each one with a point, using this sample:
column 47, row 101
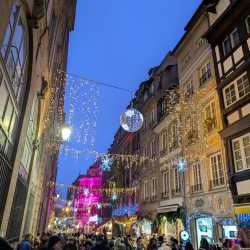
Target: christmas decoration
column 106, row 163
column 131, row 120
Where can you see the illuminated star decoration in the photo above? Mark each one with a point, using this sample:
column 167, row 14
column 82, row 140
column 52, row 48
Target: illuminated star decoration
column 114, row 197
column 181, row 166
column 106, row 163
column 99, row 206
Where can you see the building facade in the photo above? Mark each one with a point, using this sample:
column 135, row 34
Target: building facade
column 28, row 86
column 230, row 43
column 207, row 195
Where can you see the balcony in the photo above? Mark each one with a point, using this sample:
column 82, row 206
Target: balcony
column 205, row 77
column 164, row 195
column 176, row 191
column 192, row 136
column 216, row 183
column 163, row 152
column 153, row 197
column 196, row 188
column 209, row 124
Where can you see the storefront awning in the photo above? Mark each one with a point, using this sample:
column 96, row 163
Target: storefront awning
column 166, row 209
column 242, row 210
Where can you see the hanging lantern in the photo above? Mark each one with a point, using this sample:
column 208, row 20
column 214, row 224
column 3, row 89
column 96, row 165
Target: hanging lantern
column 131, row 120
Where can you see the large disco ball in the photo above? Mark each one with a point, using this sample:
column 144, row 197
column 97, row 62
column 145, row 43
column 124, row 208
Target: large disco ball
column 131, row 120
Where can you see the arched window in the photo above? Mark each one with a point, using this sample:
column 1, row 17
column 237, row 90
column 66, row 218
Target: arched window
column 14, row 49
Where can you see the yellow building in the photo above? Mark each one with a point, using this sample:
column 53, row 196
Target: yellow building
column 207, row 196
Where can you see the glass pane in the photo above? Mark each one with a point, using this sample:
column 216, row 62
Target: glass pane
column 3, row 100
column 2, row 139
column 1, row 77
column 14, row 14
column 236, row 145
column 22, row 54
column 11, row 63
column 246, row 141
column 248, row 24
column 248, row 162
column 243, row 86
column 6, row 40
column 13, row 127
column 239, row 165
column 237, row 155
column 227, row 46
column 8, row 148
column 18, row 35
column 15, row 83
column 7, row 116
column 235, row 38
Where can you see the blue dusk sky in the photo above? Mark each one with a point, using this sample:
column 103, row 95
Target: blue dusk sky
column 117, row 42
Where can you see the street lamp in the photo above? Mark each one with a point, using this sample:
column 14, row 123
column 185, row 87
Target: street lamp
column 66, row 132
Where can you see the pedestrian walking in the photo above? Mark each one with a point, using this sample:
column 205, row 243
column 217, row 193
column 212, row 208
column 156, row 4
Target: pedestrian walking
column 4, row 244
column 55, row 243
column 25, row 244
column 140, row 245
column 204, row 245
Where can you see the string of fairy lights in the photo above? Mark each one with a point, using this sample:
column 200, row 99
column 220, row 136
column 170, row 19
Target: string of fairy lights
column 187, row 112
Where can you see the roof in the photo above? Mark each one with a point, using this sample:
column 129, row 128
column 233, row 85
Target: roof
column 206, row 5
column 226, row 13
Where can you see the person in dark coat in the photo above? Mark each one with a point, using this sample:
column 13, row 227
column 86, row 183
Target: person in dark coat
column 4, row 244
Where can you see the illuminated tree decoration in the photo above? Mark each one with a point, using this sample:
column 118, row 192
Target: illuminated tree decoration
column 131, row 120
column 114, row 197
column 106, row 163
column 181, row 166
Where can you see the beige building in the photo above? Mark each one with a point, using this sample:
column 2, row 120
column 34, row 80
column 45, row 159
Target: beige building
column 207, row 196
column 34, row 43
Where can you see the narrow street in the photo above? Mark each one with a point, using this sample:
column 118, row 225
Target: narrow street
column 124, row 125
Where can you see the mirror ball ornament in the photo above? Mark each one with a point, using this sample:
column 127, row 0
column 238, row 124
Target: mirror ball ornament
column 131, row 120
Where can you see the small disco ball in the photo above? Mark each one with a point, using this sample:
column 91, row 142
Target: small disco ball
column 131, row 120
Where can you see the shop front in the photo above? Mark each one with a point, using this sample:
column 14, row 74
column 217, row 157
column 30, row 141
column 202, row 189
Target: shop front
column 142, row 228
column 210, row 227
column 243, row 219
column 170, row 218
column 226, row 228
column 122, row 225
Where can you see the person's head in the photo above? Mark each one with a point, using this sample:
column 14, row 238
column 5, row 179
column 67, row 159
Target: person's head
column 111, row 244
column 55, row 243
column 173, row 241
column 139, row 240
column 44, row 237
column 27, row 237
column 160, row 238
column 204, row 243
column 4, row 244
column 189, row 246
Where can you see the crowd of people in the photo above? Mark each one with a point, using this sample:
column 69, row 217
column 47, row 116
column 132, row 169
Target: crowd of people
column 48, row 241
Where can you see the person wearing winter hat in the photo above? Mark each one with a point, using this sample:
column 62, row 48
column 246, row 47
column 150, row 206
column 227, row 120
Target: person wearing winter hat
column 55, row 243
